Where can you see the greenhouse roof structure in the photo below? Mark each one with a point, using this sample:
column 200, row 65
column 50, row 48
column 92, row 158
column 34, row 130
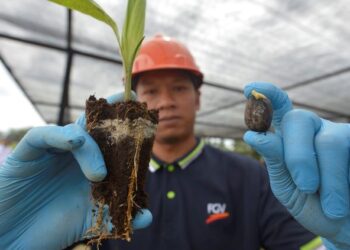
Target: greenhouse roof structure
column 59, row 57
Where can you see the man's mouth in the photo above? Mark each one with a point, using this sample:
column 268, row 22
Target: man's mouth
column 168, row 119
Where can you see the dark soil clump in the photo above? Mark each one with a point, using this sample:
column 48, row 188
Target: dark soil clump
column 125, row 133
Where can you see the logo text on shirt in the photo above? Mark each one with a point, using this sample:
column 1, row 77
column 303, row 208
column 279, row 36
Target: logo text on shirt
column 216, row 208
column 216, row 211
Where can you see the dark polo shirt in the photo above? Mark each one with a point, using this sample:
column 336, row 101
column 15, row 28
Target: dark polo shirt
column 214, row 200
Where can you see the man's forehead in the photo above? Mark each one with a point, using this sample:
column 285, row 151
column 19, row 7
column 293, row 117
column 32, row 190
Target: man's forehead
column 157, row 76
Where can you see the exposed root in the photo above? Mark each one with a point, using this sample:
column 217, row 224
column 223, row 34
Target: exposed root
column 132, row 188
column 100, row 228
column 124, row 133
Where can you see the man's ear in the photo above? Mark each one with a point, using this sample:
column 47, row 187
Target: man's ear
column 198, row 99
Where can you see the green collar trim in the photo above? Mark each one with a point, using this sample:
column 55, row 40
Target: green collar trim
column 313, row 245
column 153, row 165
column 183, row 162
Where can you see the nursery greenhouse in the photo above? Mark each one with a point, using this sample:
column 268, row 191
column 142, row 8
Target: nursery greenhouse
column 60, row 57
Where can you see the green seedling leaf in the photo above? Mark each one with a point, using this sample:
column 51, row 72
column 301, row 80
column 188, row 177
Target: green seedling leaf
column 132, row 36
column 133, row 30
column 91, row 8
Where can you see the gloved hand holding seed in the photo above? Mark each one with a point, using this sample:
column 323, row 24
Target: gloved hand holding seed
column 308, row 163
column 45, row 188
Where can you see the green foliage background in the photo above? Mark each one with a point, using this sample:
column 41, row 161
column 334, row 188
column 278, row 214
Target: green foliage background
column 13, row 136
column 238, row 146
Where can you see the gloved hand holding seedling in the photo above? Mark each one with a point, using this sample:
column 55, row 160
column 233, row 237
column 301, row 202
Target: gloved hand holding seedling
column 124, row 131
column 45, row 188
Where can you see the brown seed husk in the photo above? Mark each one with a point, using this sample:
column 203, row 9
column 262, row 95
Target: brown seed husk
column 125, row 134
column 258, row 114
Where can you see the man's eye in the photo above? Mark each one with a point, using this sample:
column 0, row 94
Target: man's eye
column 180, row 88
column 150, row 92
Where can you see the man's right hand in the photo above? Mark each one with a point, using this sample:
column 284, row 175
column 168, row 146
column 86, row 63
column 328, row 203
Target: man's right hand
column 45, row 193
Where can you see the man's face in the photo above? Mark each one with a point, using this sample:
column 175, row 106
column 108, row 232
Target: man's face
column 173, row 94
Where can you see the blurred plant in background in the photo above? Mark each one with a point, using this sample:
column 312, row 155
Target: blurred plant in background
column 12, row 137
column 242, row 148
column 237, row 145
column 8, row 140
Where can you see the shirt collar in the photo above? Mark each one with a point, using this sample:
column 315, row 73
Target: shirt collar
column 156, row 164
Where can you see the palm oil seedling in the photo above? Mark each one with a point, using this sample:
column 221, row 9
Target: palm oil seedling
column 124, row 131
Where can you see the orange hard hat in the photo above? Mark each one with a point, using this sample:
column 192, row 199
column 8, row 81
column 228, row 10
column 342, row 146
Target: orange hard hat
column 161, row 52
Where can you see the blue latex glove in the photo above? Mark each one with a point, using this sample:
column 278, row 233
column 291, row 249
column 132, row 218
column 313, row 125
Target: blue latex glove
column 45, row 190
column 308, row 163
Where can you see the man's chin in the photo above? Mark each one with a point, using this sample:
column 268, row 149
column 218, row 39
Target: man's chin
column 169, row 139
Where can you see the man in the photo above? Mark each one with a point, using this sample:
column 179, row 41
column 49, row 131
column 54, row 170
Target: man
column 201, row 198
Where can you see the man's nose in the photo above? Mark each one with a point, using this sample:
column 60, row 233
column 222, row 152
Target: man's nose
column 166, row 100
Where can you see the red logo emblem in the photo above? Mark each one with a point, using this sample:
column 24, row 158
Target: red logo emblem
column 214, row 217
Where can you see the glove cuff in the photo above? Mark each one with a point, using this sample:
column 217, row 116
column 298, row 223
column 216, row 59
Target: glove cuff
column 334, row 246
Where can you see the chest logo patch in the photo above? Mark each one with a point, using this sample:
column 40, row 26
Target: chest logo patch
column 216, row 211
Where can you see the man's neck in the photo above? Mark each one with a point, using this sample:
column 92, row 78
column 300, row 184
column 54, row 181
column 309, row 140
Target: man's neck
column 171, row 152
